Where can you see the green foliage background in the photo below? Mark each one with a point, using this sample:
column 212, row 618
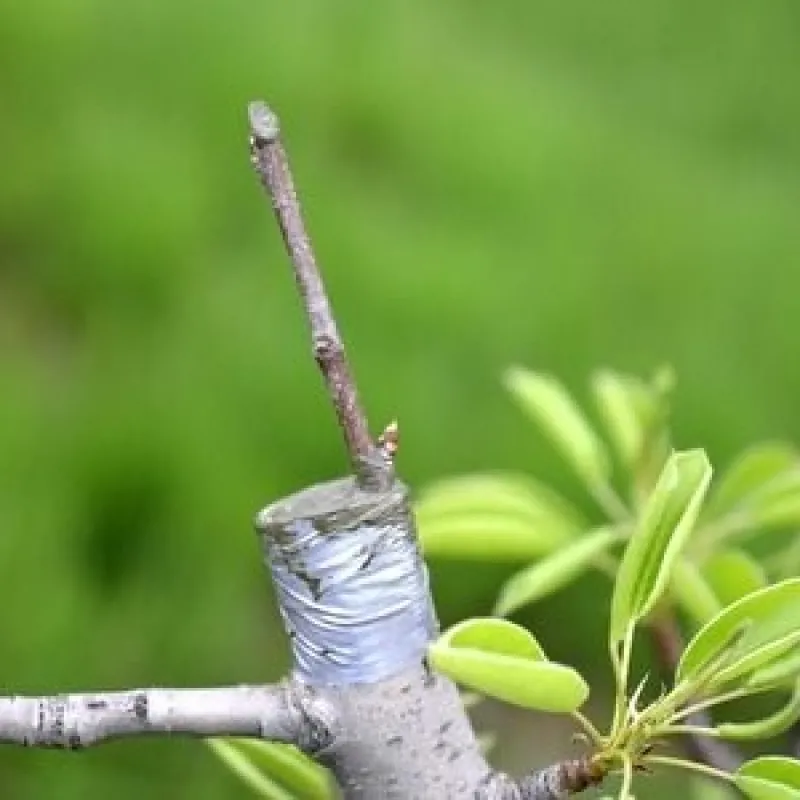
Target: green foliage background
column 555, row 184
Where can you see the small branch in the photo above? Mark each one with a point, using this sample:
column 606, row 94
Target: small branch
column 81, row 720
column 668, row 644
column 272, row 165
column 561, row 780
column 555, row 782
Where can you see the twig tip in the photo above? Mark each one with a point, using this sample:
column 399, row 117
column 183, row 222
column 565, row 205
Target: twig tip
column 264, row 123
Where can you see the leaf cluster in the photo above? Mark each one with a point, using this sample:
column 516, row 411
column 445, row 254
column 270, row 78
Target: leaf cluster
column 671, row 542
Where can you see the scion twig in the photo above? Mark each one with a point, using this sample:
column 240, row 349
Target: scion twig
column 272, row 165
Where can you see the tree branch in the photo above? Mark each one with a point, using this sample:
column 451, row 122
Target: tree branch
column 668, row 644
column 555, row 782
column 561, row 780
column 272, row 166
column 81, row 720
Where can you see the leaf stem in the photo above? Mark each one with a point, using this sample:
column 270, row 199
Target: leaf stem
column 610, row 502
column 709, row 702
column 588, row 727
column 687, row 730
column 621, row 662
column 668, row 643
column 627, row 777
column 709, row 537
column 693, row 766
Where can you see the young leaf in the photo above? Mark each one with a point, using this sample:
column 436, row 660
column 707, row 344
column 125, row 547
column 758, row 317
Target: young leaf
column 553, row 572
column 663, row 528
column 693, row 592
column 497, row 516
column 761, row 646
column 626, row 407
column 766, row 728
column 502, row 660
column 770, row 778
column 751, row 471
column 551, row 406
column 493, row 635
column 484, row 537
column 732, row 574
column 777, row 505
column 781, row 672
column 773, row 506
column 768, row 615
column 274, row 771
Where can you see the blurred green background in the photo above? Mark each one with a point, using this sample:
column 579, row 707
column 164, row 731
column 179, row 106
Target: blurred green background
column 563, row 185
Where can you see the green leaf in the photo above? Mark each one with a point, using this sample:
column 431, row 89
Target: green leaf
column 766, row 728
column 274, row 771
column 757, row 649
column 751, row 471
column 770, row 778
column 552, row 407
column 732, row 574
column 553, row 572
column 777, row 505
column 661, row 532
column 509, row 493
column 502, row 660
column 493, row 635
column 760, row 618
column 494, row 516
column 483, row 538
column 781, row 672
column 693, row 592
column 627, row 407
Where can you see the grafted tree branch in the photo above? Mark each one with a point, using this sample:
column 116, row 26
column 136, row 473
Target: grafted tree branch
column 353, row 593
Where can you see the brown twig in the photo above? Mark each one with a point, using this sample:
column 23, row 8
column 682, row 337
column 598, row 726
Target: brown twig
column 272, row 165
column 668, row 644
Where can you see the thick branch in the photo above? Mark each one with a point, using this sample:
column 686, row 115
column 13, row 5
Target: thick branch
column 272, row 166
column 80, row 720
column 668, row 644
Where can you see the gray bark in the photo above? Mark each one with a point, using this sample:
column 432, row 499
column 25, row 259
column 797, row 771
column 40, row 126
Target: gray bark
column 72, row 721
column 361, row 699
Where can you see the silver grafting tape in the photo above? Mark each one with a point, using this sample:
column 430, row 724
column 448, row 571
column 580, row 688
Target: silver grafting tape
column 351, row 583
